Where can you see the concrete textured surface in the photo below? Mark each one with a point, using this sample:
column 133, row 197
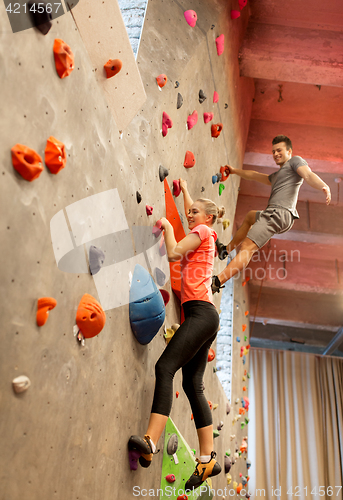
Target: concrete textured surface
column 66, row 437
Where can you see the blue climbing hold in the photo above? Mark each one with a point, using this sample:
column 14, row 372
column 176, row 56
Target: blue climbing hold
column 214, row 179
column 238, row 339
column 244, row 359
column 147, row 311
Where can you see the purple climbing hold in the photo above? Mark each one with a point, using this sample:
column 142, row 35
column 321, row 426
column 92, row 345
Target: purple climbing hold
column 133, row 459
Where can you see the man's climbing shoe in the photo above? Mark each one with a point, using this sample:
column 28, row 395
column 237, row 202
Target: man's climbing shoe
column 142, row 445
column 202, row 472
column 216, row 285
column 221, row 248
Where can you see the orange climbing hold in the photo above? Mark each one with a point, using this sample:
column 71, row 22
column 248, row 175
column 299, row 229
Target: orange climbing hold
column 182, row 497
column 177, row 394
column 26, row 162
column 55, row 155
column 64, row 58
column 244, row 388
column 112, row 67
column 44, row 305
column 189, row 160
column 161, row 80
column 90, row 316
column 211, row 355
column 225, row 173
column 246, row 313
column 239, row 487
column 210, row 404
column 244, row 327
column 216, row 128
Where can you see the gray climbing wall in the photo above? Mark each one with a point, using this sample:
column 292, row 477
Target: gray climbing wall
column 66, row 436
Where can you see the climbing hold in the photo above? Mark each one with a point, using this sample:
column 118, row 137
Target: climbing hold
column 216, row 433
column 202, row 96
column 168, row 335
column 208, row 117
column 176, row 188
column 239, row 487
column 189, row 160
column 248, row 375
column 90, row 316
column 215, row 406
column 216, row 128
column 215, row 369
column 21, row 383
column 138, row 197
column 244, row 378
column 225, row 172
column 192, row 120
column 228, row 478
column 210, row 405
column 191, row 17
column 177, row 84
column 148, row 209
column 163, row 172
column 215, row 96
column 202, row 189
column 220, row 425
column 235, row 14
column 133, row 459
column 182, row 497
column 227, row 464
column 160, row 277
column 44, row 305
column 147, row 311
column 220, row 44
column 214, row 179
column 179, row 101
column 177, row 394
column 161, row 80
column 157, row 229
column 244, row 446
column 166, row 123
column 41, row 19
column 26, row 162
column 248, row 464
column 172, row 444
column 228, row 408
column 55, row 155
column 211, row 355
column 96, row 259
column 244, row 327
column 242, row 3
column 244, row 388
column 170, row 478
column 246, row 313
column 226, row 223
column 221, row 189
column 112, row 67
column 166, row 296
column 64, row 58
column 244, row 360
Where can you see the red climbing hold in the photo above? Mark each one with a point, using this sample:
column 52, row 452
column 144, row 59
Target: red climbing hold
column 165, row 296
column 211, row 355
column 177, row 394
column 244, row 327
column 148, row 209
column 208, row 117
column 220, row 44
column 161, row 80
column 191, row 17
column 216, row 128
column 112, row 67
column 189, row 160
column 182, row 497
column 235, row 14
column 44, row 305
column 242, row 3
column 166, row 123
column 90, row 316
column 27, row 162
column 176, row 188
column 215, row 96
column 55, row 155
column 225, row 172
column 210, row 405
column 170, row 478
column 192, row 120
column 64, row 58
column 157, row 229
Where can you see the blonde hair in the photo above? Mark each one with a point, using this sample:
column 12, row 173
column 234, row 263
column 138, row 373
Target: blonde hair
column 212, row 209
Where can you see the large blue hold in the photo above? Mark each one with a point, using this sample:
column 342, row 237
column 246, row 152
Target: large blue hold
column 147, row 310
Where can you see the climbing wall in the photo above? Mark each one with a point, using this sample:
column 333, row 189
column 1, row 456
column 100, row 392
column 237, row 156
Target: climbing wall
column 66, row 435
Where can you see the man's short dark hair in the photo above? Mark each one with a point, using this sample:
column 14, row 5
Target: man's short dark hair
column 283, row 138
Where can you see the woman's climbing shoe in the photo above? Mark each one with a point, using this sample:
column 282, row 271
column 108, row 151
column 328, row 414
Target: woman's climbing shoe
column 202, row 472
column 222, row 252
column 142, row 445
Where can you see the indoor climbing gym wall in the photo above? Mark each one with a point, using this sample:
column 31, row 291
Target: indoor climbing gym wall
column 93, row 141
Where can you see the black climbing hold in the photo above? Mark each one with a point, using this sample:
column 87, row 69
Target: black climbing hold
column 213, row 26
column 172, row 444
column 163, row 172
column 219, row 177
column 160, row 277
column 96, row 259
column 227, row 463
column 41, row 20
column 179, row 101
column 139, row 197
column 202, row 96
column 177, row 85
column 202, row 189
column 226, row 105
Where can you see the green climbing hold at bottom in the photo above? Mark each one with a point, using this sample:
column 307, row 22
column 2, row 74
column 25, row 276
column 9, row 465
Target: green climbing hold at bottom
column 221, row 188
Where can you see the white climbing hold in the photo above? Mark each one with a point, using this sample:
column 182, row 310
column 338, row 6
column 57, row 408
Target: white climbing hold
column 21, row 384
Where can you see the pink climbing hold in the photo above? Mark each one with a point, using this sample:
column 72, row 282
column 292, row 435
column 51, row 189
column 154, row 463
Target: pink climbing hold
column 208, row 117
column 215, row 96
column 191, row 17
column 170, row 478
column 166, row 123
column 176, row 188
column 235, row 14
column 220, row 44
column 242, row 3
column 157, row 229
column 192, row 120
column 148, row 209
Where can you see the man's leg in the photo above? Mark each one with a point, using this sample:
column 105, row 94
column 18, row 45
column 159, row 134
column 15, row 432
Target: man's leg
column 238, row 237
column 241, row 260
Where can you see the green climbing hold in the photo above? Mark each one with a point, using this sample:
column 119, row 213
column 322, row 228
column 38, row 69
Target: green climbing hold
column 228, row 453
column 194, row 451
column 247, row 421
column 221, row 189
column 245, row 338
column 248, row 375
column 216, row 433
column 242, row 425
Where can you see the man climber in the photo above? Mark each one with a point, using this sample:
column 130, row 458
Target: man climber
column 259, row 226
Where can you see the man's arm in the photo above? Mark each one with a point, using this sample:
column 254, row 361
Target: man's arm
column 314, row 181
column 250, row 175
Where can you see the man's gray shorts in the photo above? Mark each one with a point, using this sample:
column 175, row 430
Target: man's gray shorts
column 272, row 220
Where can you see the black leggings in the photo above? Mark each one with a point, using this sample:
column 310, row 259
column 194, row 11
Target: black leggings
column 188, row 349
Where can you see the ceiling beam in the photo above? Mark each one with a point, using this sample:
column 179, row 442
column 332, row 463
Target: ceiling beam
column 334, row 343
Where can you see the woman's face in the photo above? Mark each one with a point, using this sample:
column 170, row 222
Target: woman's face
column 197, row 215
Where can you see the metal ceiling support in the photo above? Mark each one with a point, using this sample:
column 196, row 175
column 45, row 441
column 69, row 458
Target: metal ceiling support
column 334, row 343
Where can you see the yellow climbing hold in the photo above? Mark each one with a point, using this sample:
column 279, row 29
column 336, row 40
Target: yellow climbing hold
column 225, row 223
column 228, row 478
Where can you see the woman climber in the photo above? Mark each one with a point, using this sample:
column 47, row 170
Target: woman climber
column 188, row 349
